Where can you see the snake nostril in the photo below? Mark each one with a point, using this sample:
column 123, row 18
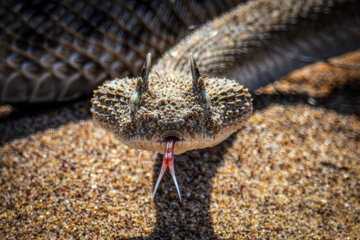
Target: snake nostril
column 187, row 115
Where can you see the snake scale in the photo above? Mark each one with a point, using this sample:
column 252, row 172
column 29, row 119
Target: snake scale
column 197, row 94
column 60, row 50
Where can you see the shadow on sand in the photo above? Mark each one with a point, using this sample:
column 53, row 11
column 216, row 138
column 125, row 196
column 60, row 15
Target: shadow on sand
column 191, row 217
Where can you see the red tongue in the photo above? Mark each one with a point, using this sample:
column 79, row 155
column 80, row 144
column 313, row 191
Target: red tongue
column 168, row 161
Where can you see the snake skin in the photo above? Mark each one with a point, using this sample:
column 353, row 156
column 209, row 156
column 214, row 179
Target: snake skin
column 252, row 45
column 60, row 50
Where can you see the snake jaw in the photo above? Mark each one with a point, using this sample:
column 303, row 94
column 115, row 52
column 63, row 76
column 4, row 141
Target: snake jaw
column 168, row 161
column 182, row 139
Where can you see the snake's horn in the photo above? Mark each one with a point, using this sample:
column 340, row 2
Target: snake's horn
column 194, row 70
column 145, row 72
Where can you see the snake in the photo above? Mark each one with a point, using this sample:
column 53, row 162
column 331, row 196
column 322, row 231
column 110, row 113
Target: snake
column 199, row 92
column 57, row 51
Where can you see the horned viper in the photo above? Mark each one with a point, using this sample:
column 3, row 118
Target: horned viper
column 177, row 106
column 63, row 50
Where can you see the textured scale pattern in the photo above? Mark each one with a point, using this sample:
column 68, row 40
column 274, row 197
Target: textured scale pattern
column 60, row 50
column 166, row 113
column 261, row 41
column 253, row 45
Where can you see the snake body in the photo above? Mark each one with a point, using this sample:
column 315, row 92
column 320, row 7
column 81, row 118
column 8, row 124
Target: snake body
column 200, row 106
column 60, row 50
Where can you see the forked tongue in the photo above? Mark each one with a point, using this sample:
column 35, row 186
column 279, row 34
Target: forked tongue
column 168, row 161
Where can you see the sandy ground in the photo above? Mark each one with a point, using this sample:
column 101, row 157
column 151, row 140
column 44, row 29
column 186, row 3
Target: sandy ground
column 292, row 172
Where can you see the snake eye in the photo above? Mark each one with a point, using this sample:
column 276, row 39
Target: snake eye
column 141, row 84
column 205, row 99
column 134, row 101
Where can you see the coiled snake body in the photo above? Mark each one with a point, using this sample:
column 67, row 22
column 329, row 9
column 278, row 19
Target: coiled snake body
column 59, row 50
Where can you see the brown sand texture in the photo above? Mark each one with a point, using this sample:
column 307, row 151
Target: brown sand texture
column 292, row 172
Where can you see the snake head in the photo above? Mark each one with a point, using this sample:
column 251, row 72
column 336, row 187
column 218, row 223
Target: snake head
column 196, row 111
column 171, row 112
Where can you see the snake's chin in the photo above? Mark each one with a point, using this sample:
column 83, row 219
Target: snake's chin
column 183, row 141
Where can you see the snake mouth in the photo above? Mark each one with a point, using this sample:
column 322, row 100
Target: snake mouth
column 181, row 140
column 173, row 134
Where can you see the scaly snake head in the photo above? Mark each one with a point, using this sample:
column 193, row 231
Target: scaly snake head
column 196, row 111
